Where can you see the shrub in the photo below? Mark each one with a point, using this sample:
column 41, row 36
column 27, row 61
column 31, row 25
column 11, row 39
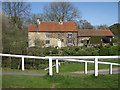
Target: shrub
column 47, row 51
column 95, row 53
column 54, row 51
column 54, row 55
column 114, row 50
column 68, row 51
column 76, row 54
column 108, row 46
column 104, row 52
column 115, row 40
column 77, row 49
column 90, row 49
column 84, row 53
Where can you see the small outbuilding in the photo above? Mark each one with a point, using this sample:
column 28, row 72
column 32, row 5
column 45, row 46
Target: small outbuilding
column 86, row 37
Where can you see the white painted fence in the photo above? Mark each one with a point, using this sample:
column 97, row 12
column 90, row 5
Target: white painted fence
column 69, row 58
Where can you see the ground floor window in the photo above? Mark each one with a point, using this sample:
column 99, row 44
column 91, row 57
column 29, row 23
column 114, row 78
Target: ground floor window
column 82, row 41
column 47, row 42
column 85, row 41
column 69, row 41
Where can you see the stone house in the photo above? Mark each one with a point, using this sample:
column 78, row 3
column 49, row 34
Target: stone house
column 53, row 34
column 62, row 34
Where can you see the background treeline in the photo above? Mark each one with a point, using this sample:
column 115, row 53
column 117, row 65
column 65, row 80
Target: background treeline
column 15, row 18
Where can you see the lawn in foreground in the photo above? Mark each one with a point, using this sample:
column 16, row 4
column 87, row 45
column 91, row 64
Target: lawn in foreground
column 24, row 81
column 66, row 67
column 80, row 67
column 60, row 81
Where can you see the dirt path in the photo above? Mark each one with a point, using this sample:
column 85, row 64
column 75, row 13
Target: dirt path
column 22, row 73
column 53, row 85
column 101, row 71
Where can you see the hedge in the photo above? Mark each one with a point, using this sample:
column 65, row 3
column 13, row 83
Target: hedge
column 104, row 52
column 114, row 50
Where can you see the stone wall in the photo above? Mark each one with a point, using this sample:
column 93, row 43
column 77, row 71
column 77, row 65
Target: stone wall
column 53, row 38
column 82, row 38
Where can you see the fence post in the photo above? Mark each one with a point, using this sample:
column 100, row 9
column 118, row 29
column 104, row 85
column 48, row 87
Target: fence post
column 57, row 70
column 85, row 68
column 110, row 69
column 22, row 63
column 50, row 67
column 96, row 67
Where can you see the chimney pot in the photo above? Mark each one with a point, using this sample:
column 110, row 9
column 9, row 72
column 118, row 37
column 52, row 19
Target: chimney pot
column 38, row 20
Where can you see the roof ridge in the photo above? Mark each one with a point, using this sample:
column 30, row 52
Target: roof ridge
column 54, row 26
column 92, row 30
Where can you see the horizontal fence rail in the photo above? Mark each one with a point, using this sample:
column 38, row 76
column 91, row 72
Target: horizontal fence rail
column 90, row 61
column 69, row 58
column 83, row 57
column 25, row 56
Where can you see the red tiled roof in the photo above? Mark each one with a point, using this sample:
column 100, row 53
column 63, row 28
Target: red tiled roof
column 95, row 33
column 53, row 26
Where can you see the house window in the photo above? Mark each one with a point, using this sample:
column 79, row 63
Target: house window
column 47, row 42
column 58, row 35
column 69, row 35
column 69, row 41
column 110, row 39
column 62, row 40
column 82, row 41
column 47, row 35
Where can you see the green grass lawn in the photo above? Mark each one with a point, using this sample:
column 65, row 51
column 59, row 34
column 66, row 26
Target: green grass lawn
column 66, row 67
column 26, row 70
column 60, row 81
column 64, row 80
column 24, row 81
column 80, row 67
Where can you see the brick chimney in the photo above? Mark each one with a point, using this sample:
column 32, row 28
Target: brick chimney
column 38, row 22
column 60, row 21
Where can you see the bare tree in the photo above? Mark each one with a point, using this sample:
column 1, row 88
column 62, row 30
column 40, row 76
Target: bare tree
column 32, row 19
column 16, row 11
column 102, row 27
column 64, row 10
column 84, row 24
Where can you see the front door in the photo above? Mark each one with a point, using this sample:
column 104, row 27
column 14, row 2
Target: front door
column 59, row 43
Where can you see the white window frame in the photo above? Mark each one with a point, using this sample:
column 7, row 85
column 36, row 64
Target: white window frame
column 70, row 35
column 59, row 35
column 82, row 41
column 46, row 42
column 47, row 35
column 70, row 42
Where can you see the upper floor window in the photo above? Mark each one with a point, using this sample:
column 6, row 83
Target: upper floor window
column 47, row 42
column 47, row 35
column 58, row 35
column 69, row 35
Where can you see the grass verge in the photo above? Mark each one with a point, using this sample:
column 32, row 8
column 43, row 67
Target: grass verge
column 26, row 70
column 60, row 81
column 66, row 67
column 80, row 67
